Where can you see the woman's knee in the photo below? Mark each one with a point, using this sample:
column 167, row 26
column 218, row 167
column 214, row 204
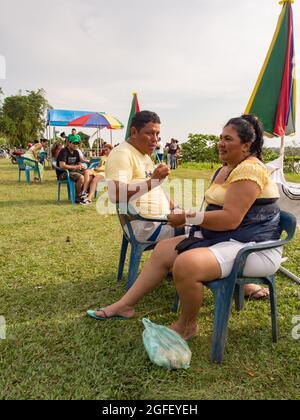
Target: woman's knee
column 182, row 267
column 197, row 265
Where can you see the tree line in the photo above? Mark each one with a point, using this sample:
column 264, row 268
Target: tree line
column 204, row 148
column 23, row 117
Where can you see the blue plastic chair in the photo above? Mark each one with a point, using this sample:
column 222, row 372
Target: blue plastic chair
column 94, row 163
column 137, row 248
column 233, row 286
column 21, row 161
column 68, row 181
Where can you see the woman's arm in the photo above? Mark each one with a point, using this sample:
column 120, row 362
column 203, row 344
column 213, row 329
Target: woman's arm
column 239, row 198
column 35, row 150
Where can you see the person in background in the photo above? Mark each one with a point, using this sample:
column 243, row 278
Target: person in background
column 42, row 155
column 177, row 155
column 160, row 150
column 63, row 137
column 32, row 154
column 93, row 176
column 56, row 148
column 83, row 160
column 173, row 149
column 74, row 137
column 69, row 159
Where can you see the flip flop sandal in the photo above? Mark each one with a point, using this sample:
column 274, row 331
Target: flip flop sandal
column 253, row 296
column 92, row 314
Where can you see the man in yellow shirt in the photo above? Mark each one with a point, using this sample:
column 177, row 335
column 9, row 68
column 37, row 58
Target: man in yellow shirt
column 133, row 178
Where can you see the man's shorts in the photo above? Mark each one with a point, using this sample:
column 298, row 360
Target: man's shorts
column 75, row 176
column 153, row 231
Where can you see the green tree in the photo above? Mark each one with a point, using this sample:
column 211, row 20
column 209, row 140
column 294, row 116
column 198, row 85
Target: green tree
column 269, row 154
column 200, row 148
column 22, row 117
column 84, row 138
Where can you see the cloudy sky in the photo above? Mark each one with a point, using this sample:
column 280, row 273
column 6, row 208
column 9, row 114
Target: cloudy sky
column 195, row 63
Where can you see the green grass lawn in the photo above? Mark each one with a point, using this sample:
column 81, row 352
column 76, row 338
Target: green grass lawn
column 58, row 261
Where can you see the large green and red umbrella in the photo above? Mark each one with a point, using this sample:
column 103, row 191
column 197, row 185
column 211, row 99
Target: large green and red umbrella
column 135, row 107
column 274, row 97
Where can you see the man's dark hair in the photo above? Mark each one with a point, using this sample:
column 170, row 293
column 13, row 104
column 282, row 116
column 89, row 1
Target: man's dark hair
column 143, row 118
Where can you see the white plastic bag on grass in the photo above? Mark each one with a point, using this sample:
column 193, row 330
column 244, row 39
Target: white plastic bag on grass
column 165, row 347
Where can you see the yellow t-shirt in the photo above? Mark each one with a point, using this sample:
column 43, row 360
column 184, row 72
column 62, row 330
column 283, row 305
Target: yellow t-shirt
column 129, row 166
column 249, row 170
column 100, row 170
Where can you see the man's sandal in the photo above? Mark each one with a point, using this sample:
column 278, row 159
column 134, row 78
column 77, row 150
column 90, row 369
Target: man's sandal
column 92, row 314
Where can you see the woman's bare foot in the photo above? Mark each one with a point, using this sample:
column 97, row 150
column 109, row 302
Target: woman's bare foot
column 116, row 309
column 254, row 291
column 185, row 331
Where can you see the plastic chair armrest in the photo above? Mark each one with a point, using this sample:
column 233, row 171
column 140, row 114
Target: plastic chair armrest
column 134, row 215
column 243, row 254
column 61, row 170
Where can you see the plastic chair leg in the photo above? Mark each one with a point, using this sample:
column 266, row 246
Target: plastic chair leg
column 58, row 193
column 239, row 296
column 223, row 301
column 27, row 173
column 68, row 188
column 71, row 186
column 38, row 171
column 273, row 303
column 176, row 304
column 135, row 258
column 122, row 257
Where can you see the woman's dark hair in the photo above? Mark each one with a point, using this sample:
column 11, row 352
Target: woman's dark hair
column 55, row 148
column 250, row 130
column 143, row 118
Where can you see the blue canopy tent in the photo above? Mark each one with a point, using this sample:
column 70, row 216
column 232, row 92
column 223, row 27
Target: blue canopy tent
column 67, row 118
column 61, row 118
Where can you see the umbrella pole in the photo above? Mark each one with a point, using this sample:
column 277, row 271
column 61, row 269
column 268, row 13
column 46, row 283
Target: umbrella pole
column 111, row 137
column 290, row 275
column 97, row 142
column 283, row 270
column 282, row 147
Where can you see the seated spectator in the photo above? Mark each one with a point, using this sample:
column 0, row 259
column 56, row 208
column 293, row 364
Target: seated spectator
column 63, row 137
column 93, row 176
column 83, row 160
column 241, row 210
column 69, row 159
column 56, row 148
column 42, row 154
column 32, row 153
column 130, row 169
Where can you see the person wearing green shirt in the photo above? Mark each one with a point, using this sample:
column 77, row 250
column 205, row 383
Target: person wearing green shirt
column 74, row 138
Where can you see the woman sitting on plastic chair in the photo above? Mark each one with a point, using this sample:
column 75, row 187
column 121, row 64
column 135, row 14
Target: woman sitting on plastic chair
column 32, row 153
column 241, row 209
column 93, row 176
